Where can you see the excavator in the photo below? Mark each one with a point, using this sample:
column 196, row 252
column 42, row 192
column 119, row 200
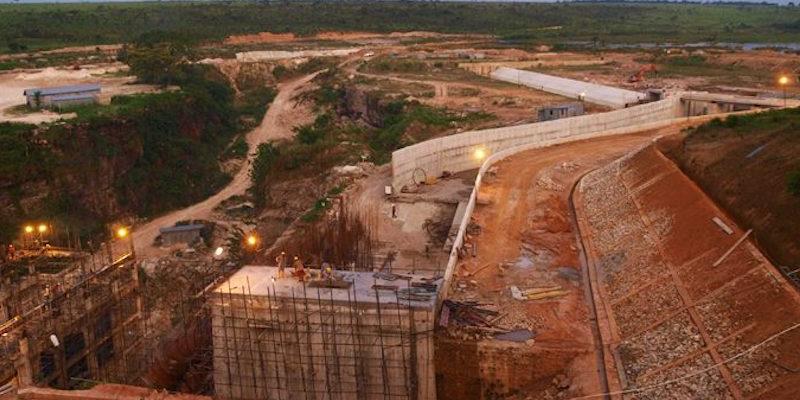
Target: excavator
column 639, row 75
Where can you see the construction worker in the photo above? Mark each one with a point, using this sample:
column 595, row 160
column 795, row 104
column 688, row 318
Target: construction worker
column 299, row 269
column 323, row 268
column 325, row 271
column 280, row 261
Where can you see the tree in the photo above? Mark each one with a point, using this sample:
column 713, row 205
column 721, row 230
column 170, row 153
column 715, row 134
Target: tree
column 158, row 57
column 16, row 47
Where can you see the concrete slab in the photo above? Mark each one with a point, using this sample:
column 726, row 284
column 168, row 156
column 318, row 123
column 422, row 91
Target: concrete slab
column 258, row 281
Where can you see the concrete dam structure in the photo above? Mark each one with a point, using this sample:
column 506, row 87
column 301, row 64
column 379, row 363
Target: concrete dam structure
column 585, row 91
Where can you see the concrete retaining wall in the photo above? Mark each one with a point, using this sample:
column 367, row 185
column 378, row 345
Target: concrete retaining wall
column 458, row 242
column 456, row 153
column 598, row 94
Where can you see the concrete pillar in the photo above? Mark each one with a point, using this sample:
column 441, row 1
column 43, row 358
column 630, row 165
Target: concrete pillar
column 23, row 365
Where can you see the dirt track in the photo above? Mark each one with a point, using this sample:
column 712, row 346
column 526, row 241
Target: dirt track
column 283, row 114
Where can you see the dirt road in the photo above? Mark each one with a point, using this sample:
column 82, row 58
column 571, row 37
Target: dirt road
column 283, row 115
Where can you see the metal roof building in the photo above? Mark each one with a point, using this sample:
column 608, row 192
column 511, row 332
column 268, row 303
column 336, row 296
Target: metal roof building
column 181, row 234
column 61, row 96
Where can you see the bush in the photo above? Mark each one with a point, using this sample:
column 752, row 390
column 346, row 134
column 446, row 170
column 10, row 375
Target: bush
column 686, row 61
column 316, row 212
column 254, row 102
column 9, row 65
column 310, row 134
column 238, row 149
column 266, row 154
column 793, row 183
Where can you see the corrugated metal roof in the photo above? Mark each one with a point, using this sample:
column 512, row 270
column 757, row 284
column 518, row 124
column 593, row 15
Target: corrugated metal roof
column 48, row 91
column 181, row 228
column 79, row 96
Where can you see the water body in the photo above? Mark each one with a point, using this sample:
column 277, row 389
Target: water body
column 790, row 46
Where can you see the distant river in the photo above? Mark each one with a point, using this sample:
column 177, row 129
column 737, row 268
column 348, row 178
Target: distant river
column 791, row 46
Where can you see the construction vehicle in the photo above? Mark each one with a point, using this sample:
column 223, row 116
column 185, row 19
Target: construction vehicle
column 640, row 75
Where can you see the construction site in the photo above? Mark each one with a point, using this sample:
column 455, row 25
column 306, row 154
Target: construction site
column 543, row 225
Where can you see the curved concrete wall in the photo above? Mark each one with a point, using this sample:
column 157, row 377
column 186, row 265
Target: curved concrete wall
column 458, row 242
column 456, row 153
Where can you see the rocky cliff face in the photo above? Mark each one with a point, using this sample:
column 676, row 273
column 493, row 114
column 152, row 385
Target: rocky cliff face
column 82, row 167
column 361, row 104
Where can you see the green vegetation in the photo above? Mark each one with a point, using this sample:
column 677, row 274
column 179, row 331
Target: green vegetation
column 237, row 149
column 779, row 124
column 313, row 133
column 25, row 27
column 774, row 122
column 158, row 57
column 19, row 156
column 142, row 154
column 400, row 116
column 322, row 204
column 262, row 164
column 43, row 60
column 337, row 138
column 793, row 182
column 698, row 65
column 254, row 102
column 9, row 65
column 749, row 165
column 317, row 210
column 384, row 65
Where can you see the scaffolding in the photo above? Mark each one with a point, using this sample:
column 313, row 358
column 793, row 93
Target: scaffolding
column 80, row 325
column 291, row 340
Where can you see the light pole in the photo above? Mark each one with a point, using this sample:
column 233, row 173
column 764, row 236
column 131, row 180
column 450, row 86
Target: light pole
column 783, row 81
column 122, row 233
column 26, row 243
column 42, row 228
column 251, row 243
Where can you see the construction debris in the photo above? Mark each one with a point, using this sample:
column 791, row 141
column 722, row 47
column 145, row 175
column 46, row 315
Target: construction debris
column 725, row 228
column 537, row 293
column 416, row 293
column 467, row 313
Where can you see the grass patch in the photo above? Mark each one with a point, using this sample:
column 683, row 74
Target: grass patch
column 9, row 65
column 775, row 121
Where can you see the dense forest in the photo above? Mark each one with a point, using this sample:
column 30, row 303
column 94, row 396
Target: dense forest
column 40, row 26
